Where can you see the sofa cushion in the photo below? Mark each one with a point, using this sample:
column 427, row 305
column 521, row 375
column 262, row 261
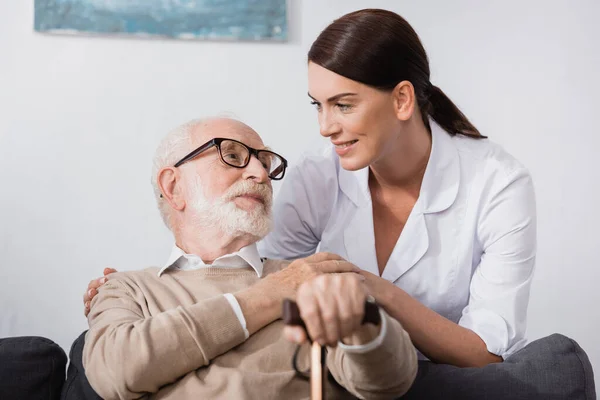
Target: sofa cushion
column 31, row 368
column 77, row 386
column 551, row 368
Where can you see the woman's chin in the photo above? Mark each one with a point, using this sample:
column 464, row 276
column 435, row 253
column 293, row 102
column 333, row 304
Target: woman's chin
column 353, row 163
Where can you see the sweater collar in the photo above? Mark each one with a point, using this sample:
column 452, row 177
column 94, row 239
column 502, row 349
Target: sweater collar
column 246, row 256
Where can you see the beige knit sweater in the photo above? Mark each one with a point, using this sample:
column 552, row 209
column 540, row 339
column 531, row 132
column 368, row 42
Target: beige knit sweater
column 177, row 337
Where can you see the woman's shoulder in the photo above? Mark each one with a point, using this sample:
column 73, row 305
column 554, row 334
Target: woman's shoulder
column 487, row 155
column 323, row 158
column 316, row 167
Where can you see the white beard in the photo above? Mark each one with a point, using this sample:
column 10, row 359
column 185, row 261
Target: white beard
column 225, row 215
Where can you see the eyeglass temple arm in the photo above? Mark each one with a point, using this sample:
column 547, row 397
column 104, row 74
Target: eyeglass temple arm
column 195, row 153
column 278, row 170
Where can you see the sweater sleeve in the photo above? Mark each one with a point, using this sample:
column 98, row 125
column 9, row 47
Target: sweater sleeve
column 384, row 372
column 129, row 353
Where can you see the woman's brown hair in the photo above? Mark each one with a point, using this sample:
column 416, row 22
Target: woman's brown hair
column 379, row 48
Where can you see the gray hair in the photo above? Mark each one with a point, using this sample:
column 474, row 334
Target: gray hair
column 174, row 146
column 171, row 149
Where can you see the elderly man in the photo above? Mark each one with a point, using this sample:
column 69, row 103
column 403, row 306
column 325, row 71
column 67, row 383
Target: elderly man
column 207, row 325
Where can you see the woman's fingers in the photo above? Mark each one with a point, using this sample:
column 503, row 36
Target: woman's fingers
column 92, row 289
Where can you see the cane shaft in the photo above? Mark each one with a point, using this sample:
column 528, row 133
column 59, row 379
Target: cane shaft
column 318, row 371
column 318, row 354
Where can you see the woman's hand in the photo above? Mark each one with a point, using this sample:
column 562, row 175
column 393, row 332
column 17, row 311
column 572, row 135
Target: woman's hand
column 377, row 287
column 92, row 289
column 332, row 307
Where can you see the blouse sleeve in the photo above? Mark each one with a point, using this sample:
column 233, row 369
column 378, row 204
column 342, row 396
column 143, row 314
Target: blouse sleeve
column 499, row 290
column 302, row 208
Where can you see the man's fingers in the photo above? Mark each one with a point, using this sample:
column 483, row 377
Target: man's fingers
column 345, row 315
column 314, row 326
column 330, row 266
column 328, row 309
column 319, row 257
column 108, row 271
column 309, row 312
column 295, row 334
column 351, row 302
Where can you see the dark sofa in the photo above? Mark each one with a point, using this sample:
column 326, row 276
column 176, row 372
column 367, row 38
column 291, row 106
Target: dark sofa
column 551, row 368
column 31, row 368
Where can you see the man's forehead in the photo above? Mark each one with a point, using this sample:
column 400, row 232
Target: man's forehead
column 225, row 128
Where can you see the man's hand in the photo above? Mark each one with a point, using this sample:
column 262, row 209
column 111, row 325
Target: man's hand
column 261, row 302
column 287, row 281
column 332, row 307
column 92, row 289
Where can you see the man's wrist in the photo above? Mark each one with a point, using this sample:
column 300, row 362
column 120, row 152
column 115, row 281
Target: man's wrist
column 235, row 305
column 260, row 305
column 275, row 290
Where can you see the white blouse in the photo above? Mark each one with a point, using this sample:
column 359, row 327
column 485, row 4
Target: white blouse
column 467, row 250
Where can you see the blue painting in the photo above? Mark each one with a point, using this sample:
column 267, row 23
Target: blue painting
column 179, row 19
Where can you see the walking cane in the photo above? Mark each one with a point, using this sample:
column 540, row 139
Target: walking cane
column 318, row 353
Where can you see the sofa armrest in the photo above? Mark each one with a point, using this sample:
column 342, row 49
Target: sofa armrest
column 31, row 368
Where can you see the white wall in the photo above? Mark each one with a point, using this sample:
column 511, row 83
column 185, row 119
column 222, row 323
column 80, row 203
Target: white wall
column 80, row 118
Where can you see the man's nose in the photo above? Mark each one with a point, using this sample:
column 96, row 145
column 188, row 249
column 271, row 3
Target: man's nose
column 256, row 171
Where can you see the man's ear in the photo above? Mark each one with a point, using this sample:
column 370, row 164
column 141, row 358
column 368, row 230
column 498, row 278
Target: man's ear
column 169, row 183
column 404, row 100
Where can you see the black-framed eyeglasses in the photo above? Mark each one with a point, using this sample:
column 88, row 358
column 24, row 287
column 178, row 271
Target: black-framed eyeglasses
column 236, row 154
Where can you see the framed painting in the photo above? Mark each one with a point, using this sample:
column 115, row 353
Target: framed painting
column 177, row 19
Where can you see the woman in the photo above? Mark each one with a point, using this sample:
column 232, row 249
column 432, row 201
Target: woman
column 440, row 219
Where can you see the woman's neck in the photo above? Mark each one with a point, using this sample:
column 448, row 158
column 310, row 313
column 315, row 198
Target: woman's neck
column 404, row 164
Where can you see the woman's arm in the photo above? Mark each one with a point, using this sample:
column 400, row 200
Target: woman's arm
column 301, row 209
column 439, row 339
column 495, row 318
